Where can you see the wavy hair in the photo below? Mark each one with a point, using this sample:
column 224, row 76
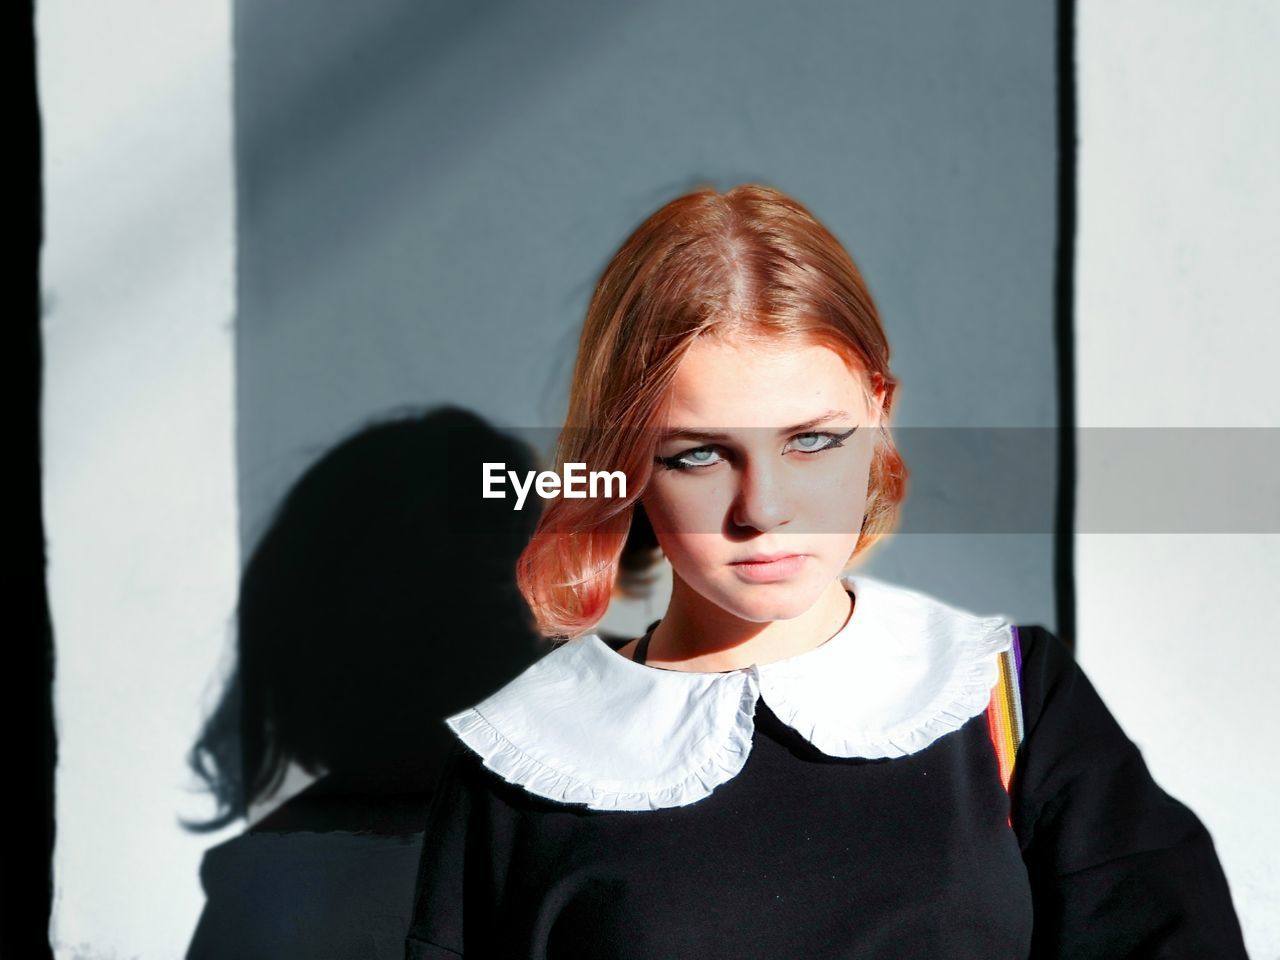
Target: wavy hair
column 748, row 264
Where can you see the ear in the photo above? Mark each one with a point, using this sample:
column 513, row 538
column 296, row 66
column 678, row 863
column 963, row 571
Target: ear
column 881, row 399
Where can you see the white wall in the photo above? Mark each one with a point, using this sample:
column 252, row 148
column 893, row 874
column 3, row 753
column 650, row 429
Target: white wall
column 1177, row 326
column 139, row 463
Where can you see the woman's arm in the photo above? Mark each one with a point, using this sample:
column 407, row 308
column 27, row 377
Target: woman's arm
column 435, row 926
column 1118, row 867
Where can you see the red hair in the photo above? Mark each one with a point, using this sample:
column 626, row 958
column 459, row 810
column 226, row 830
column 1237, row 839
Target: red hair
column 748, row 264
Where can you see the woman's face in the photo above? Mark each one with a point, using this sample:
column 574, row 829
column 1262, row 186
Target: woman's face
column 762, row 466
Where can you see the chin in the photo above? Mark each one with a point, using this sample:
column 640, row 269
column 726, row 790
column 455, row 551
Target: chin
column 764, row 603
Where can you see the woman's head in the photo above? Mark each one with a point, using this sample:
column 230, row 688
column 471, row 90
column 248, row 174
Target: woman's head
column 738, row 314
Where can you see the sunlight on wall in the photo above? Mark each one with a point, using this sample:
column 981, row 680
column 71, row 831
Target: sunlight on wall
column 1175, row 326
column 140, row 499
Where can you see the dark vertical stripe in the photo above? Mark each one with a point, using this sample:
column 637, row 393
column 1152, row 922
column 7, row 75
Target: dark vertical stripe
column 27, row 688
column 1064, row 329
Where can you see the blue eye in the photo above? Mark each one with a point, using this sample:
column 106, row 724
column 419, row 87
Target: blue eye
column 697, row 458
column 830, row 439
column 690, row 459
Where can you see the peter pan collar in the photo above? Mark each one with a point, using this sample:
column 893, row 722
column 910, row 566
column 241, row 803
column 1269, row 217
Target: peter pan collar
column 586, row 725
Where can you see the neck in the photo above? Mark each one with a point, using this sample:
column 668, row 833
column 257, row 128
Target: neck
column 697, row 635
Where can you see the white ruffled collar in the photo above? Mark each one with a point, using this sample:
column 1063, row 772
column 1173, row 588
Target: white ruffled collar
column 585, row 724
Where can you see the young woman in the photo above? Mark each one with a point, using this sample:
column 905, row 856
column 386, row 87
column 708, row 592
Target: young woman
column 796, row 761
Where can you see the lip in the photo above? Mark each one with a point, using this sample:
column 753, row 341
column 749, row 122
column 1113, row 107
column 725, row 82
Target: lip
column 767, row 557
column 774, row 567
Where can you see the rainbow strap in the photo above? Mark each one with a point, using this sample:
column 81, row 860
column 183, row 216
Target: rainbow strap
column 1004, row 712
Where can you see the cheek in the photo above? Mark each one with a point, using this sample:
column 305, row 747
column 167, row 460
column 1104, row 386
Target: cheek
column 859, row 479
column 692, row 553
column 682, row 506
column 685, row 521
column 833, row 499
column 853, row 502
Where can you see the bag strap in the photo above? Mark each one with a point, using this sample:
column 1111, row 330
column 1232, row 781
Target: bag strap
column 1004, row 712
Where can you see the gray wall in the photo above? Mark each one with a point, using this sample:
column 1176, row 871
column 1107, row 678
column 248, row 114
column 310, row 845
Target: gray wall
column 428, row 191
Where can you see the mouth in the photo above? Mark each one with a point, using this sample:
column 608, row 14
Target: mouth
column 769, row 568
column 766, row 558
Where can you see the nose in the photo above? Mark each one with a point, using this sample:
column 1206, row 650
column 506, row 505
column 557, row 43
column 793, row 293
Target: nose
column 764, row 499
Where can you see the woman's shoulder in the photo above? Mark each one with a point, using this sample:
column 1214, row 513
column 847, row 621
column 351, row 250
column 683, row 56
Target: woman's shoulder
column 1094, row 825
column 1049, row 676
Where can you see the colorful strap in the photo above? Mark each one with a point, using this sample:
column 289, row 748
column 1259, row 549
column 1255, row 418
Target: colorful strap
column 1004, row 712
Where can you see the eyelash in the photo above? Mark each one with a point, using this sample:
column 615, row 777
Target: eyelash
column 675, row 462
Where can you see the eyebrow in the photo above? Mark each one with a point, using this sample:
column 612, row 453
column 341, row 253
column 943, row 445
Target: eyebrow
column 685, row 433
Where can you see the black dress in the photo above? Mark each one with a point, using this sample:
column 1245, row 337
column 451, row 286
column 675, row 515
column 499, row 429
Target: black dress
column 805, row 855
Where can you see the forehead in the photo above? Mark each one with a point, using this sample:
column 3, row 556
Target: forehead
column 726, row 384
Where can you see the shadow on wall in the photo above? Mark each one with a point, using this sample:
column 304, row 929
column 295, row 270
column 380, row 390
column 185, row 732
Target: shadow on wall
column 380, row 600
